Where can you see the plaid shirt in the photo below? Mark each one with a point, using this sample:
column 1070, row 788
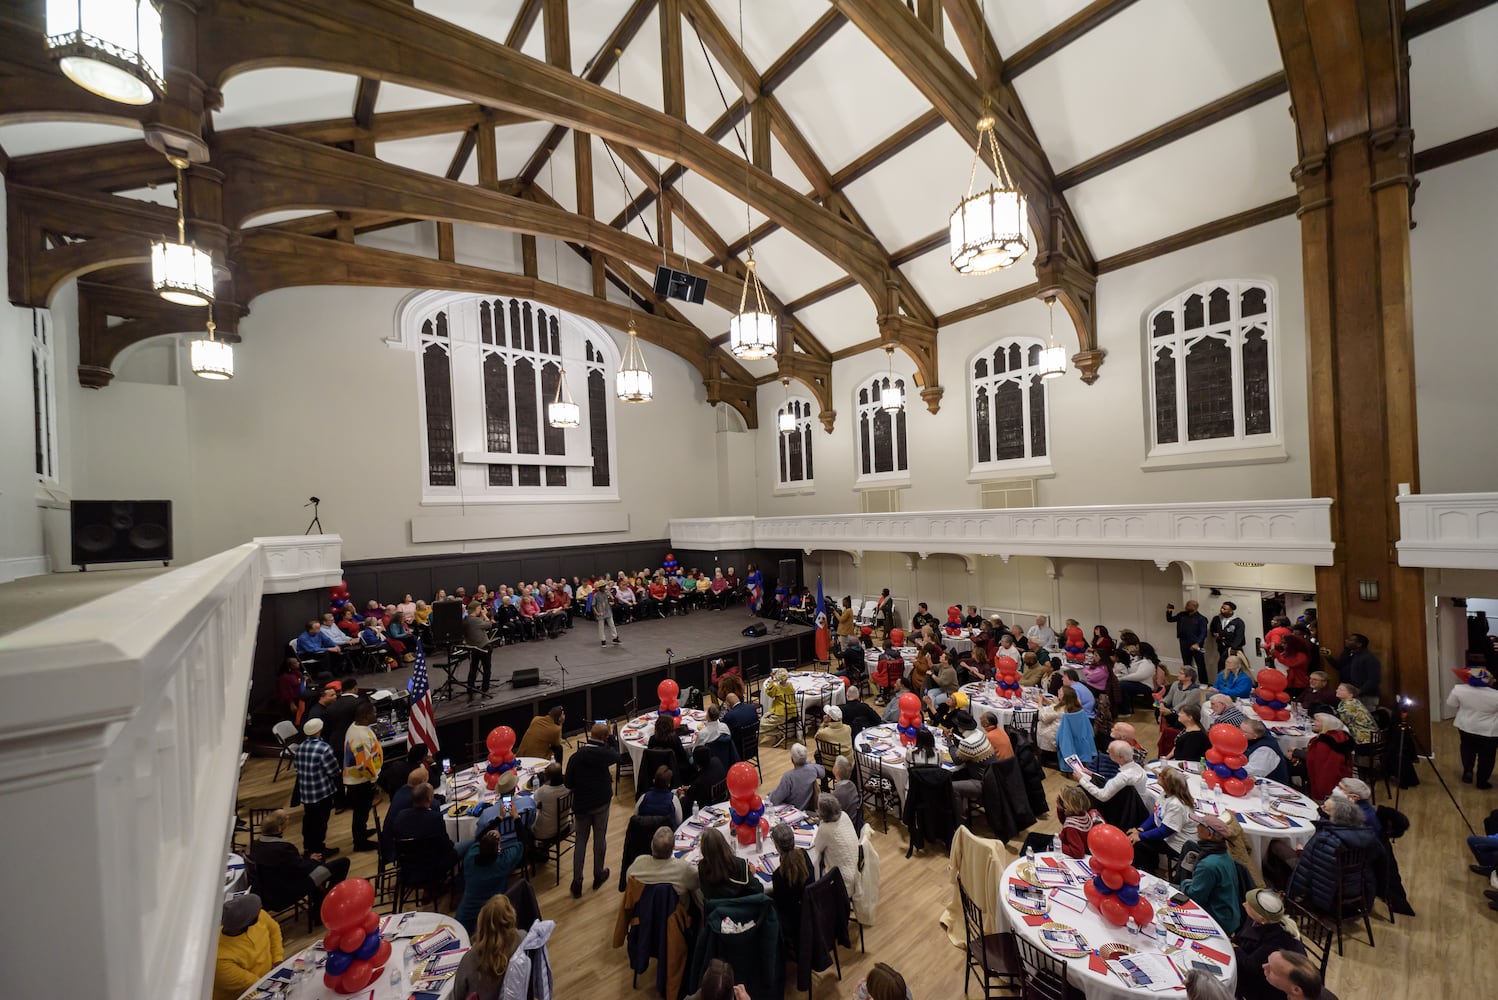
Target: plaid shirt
column 317, row 769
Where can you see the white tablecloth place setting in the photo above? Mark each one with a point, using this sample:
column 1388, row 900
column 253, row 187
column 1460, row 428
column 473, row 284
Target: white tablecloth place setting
column 984, row 696
column 635, row 733
column 1044, row 903
column 872, row 657
column 883, row 743
column 465, row 791
column 1271, row 811
column 813, row 688
column 236, row 880
column 962, row 642
column 762, row 858
column 410, row 935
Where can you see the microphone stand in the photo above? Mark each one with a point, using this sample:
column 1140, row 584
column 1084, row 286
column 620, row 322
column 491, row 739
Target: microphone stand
column 564, row 673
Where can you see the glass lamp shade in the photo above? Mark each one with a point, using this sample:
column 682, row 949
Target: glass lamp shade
column 892, row 397
column 563, row 413
column 988, row 231
column 786, row 422
column 212, row 359
column 182, row 273
column 752, row 335
column 1052, row 362
column 634, row 385
column 109, row 47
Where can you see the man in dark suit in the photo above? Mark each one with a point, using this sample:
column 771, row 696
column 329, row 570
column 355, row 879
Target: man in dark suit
column 1228, row 631
column 590, row 776
column 1191, row 634
column 282, row 875
column 421, row 822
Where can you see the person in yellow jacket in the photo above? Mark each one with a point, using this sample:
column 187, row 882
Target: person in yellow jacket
column 847, row 626
column 782, row 694
column 249, row 946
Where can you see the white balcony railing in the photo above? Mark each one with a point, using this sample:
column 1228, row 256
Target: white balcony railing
column 1449, row 530
column 120, row 736
column 1277, row 531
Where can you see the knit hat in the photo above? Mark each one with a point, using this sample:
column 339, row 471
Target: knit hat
column 1212, row 822
column 240, row 913
column 1265, row 906
column 834, row 713
column 312, row 727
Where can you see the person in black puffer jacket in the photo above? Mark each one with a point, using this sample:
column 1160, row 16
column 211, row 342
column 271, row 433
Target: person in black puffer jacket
column 1030, row 770
column 1315, row 876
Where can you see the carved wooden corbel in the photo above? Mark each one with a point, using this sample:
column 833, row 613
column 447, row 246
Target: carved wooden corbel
column 816, row 375
column 1063, row 277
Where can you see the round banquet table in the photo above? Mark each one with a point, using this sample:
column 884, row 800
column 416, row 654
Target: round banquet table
column 466, row 793
column 235, row 879
column 813, row 688
column 883, row 744
column 1291, row 735
column 983, row 696
column 281, row 982
column 762, row 859
column 636, row 733
column 1097, row 932
column 1271, row 811
column 907, row 653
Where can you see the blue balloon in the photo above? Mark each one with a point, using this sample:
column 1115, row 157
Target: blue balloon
column 1239, row 772
column 1222, row 770
column 339, row 961
column 1128, row 895
column 1101, row 886
column 369, row 947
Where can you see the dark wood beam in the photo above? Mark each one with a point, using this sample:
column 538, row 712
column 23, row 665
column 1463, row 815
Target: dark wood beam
column 558, row 36
column 966, row 19
column 525, row 20
column 1225, row 107
column 816, row 295
column 1062, row 35
column 759, row 136
column 364, row 101
column 719, row 40
column 488, row 152
column 853, row 350
column 673, row 68
column 1439, row 13
column 929, row 11
column 1199, row 234
column 992, row 303
column 1456, row 150
column 445, row 246
column 465, row 149
column 921, row 247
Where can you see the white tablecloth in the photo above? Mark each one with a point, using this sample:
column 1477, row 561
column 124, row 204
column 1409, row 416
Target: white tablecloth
column 907, row 653
column 636, row 733
column 314, row 958
column 961, row 643
column 983, row 696
column 1098, row 932
column 763, row 858
column 465, row 789
column 883, row 742
column 1263, row 813
column 812, row 687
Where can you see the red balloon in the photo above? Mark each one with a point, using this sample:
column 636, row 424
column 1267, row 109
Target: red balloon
column 501, row 739
column 1282, row 715
column 330, row 940
column 1235, row 761
column 1111, row 845
column 371, row 922
column 1131, row 875
column 1113, row 911
column 360, row 973
column 1236, row 787
column 1273, row 680
column 353, row 938
column 1113, row 878
column 743, row 780
column 667, row 690
column 1142, row 912
column 1228, row 739
column 491, row 781
column 381, row 955
column 334, row 983
column 1264, row 712
column 346, row 903
column 1265, row 693
column 910, row 704
column 1214, row 755
column 1094, row 896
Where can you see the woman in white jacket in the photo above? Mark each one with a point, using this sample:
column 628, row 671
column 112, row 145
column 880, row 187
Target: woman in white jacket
column 1134, row 673
column 1476, row 707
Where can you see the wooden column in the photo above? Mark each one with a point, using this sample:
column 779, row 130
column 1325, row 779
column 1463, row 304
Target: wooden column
column 1345, row 62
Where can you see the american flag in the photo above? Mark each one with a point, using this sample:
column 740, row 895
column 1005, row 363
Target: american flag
column 422, row 727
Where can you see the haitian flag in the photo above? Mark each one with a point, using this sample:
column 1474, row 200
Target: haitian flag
column 824, row 635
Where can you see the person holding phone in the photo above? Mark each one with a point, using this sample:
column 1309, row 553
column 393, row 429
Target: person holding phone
column 1191, row 634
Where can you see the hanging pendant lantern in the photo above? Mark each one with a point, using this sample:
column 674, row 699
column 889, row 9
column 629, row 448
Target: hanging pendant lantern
column 212, row 358
column 112, row 48
column 180, row 272
column 891, row 396
column 562, row 411
column 1052, row 357
column 987, row 229
column 634, row 383
column 786, row 421
column 754, row 333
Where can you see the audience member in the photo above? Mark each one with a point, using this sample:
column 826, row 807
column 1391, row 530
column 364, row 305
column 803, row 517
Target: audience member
column 882, row 983
column 318, row 779
column 482, row 970
column 712, row 730
column 548, row 803
column 788, row 883
column 1320, row 694
column 249, row 946
column 845, row 790
column 1264, row 931
column 590, row 776
column 1354, row 714
column 1296, row 976
column 1223, row 711
column 1078, row 815
column 835, row 844
column 798, row 786
column 835, row 730
column 1204, row 985
column 362, row 759
column 543, row 737
column 1475, row 704
column 717, row 983
column 1265, row 758
column 1129, row 775
column 660, row 799
column 1169, row 826
column 487, row 864
column 1316, row 873
column 740, row 715
column 283, row 875
column 1191, row 742
column 1184, row 691
column 661, row 866
column 703, row 789
column 665, row 736
column 400, row 801
column 422, row 844
column 997, row 737
column 1073, row 682
column 313, row 642
column 1213, row 884
column 857, row 713
column 722, row 873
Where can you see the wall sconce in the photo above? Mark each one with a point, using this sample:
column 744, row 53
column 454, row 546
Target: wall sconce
column 1368, row 590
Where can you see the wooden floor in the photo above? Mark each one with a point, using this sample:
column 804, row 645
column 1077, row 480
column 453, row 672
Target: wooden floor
column 1432, row 955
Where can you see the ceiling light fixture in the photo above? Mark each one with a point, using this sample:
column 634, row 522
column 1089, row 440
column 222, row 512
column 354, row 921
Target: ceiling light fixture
column 786, row 422
column 212, row 358
column 180, row 272
column 112, row 48
column 892, row 395
column 1052, row 357
column 987, row 230
column 562, row 411
column 753, row 333
column 634, row 383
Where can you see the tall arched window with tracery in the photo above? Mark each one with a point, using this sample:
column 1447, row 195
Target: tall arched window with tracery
column 881, row 434
column 1009, row 421
column 1212, row 369
column 489, row 368
column 795, row 466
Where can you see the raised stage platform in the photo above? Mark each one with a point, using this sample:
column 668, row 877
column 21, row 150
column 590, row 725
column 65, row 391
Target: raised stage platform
column 601, row 680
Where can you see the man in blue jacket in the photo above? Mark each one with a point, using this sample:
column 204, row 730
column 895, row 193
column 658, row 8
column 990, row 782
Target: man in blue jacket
column 1191, row 633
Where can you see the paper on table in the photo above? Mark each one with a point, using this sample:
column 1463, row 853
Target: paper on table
column 1069, row 899
column 1052, row 876
column 1143, row 970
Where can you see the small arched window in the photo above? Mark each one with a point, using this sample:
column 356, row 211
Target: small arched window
column 881, row 434
column 1211, row 364
column 1008, row 415
column 794, row 446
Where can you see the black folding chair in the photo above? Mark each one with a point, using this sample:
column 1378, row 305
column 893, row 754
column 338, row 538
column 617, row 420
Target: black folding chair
column 993, row 957
column 876, row 790
column 1315, row 934
column 1044, row 974
column 565, row 838
column 746, row 741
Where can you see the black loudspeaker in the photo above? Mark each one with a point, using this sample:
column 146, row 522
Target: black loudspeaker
column 787, row 577
column 114, row 531
column 756, row 630
column 447, row 622
column 673, row 284
column 526, row 677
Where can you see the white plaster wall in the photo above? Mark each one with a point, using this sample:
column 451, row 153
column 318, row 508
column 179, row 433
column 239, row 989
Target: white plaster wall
column 1453, row 255
column 20, row 520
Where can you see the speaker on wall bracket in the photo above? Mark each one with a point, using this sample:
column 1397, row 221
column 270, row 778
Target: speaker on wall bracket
column 120, row 531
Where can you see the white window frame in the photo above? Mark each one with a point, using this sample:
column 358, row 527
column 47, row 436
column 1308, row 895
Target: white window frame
column 1029, row 465
column 44, row 376
column 880, row 480
column 466, row 353
column 804, row 427
column 1240, row 448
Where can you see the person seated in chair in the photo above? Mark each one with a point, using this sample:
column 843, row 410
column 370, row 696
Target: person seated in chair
column 436, row 856
column 846, row 791
column 1295, row 976
column 282, row 874
column 1224, row 711
column 1264, row 931
column 703, row 788
column 548, row 801
column 857, row 713
column 665, row 736
column 487, row 865
column 1316, row 873
column 974, row 753
column 712, row 730
column 332, row 631
column 313, row 642
column 798, row 786
column 835, row 730
column 660, row 798
column 738, row 714
column 249, row 946
column 662, row 867
column 1126, row 774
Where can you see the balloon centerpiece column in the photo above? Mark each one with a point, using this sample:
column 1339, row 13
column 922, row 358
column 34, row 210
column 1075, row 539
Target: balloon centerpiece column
column 746, row 810
column 1114, row 889
column 356, row 955
column 667, row 692
column 1271, row 703
column 1008, row 677
column 910, row 717
column 1226, row 764
column 501, row 742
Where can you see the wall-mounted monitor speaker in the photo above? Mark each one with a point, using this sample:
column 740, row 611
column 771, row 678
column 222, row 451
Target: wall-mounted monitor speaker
column 116, row 531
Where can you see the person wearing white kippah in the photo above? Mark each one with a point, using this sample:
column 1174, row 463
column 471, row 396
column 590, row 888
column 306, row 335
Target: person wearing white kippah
column 1265, row 931
column 318, row 776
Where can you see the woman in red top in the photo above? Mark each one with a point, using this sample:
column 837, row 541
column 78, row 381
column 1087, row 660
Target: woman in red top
column 1075, row 810
column 1102, row 642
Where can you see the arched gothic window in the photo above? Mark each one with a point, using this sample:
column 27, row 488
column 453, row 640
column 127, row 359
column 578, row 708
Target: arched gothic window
column 489, row 367
column 881, row 434
column 1211, row 366
column 795, row 468
column 1008, row 405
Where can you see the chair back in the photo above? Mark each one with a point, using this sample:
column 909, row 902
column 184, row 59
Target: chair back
column 717, row 793
column 725, row 749
column 827, row 752
column 1353, row 870
column 746, row 741
column 1045, row 974
column 631, row 709
column 1026, row 720
column 1126, row 810
column 285, row 731
column 972, row 915
column 1316, row 934
column 564, row 814
column 522, row 896
column 421, row 860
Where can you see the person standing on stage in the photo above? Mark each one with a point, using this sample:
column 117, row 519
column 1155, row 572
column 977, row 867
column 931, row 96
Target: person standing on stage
column 599, row 605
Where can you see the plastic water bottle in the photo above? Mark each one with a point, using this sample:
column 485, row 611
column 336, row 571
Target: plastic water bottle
column 1132, row 927
column 396, row 979
column 1029, row 853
